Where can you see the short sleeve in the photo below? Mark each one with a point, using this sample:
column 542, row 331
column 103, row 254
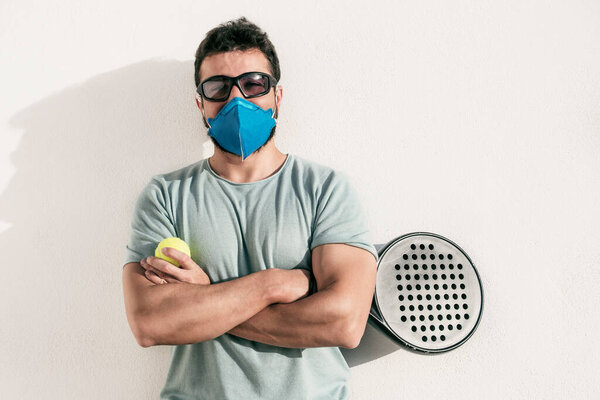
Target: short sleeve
column 151, row 222
column 339, row 217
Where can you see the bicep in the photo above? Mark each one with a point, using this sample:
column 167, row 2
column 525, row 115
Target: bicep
column 345, row 268
column 134, row 285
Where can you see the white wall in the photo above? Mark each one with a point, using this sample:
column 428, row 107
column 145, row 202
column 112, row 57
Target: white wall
column 477, row 120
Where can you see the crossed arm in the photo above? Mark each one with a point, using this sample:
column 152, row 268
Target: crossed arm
column 267, row 306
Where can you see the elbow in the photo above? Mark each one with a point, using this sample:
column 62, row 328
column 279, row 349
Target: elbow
column 140, row 330
column 351, row 329
column 351, row 335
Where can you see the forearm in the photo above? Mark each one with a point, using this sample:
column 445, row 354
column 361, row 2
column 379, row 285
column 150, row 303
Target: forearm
column 323, row 319
column 184, row 313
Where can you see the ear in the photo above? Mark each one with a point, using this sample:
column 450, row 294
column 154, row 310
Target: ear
column 278, row 97
column 199, row 103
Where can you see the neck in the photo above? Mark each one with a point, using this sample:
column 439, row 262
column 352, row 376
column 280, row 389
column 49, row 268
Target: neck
column 259, row 165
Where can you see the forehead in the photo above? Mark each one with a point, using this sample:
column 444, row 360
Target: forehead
column 234, row 63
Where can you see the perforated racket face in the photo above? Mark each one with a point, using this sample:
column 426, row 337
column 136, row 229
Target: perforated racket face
column 428, row 292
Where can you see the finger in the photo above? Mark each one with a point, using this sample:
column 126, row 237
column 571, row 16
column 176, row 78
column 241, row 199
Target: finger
column 150, row 268
column 152, row 277
column 165, row 267
column 183, row 259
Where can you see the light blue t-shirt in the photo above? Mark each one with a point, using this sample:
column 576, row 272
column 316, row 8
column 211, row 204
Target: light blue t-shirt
column 234, row 229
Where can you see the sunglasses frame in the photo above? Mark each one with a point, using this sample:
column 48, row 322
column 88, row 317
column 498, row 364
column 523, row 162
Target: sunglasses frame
column 272, row 82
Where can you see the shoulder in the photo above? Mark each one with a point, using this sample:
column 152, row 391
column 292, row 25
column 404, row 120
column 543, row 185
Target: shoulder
column 317, row 174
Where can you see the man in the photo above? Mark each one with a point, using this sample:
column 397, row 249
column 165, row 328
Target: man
column 281, row 272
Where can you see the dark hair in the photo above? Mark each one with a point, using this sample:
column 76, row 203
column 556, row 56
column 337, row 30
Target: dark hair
column 239, row 34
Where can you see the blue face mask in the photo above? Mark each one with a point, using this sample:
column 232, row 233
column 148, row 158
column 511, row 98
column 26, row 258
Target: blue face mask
column 241, row 127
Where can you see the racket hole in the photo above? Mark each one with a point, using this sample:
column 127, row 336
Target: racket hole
column 457, row 316
column 455, row 296
column 429, row 307
column 450, row 327
column 456, row 307
column 432, row 256
column 437, row 296
column 433, row 267
column 432, row 328
column 447, row 306
column 424, row 338
column 423, row 329
column 399, row 277
column 459, row 326
column 405, row 256
column 410, row 297
column 442, row 266
column 459, row 266
column 433, row 338
column 428, row 297
column 462, row 286
column 419, row 297
column 448, row 317
column 440, row 317
column 422, row 318
column 423, row 257
column 441, row 327
column 427, row 286
column 401, row 298
column 402, row 308
column 418, row 287
column 413, row 247
column 438, row 307
column 444, row 276
column 413, row 328
column 430, row 247
column 414, row 256
column 417, row 276
column 463, row 296
column 420, row 307
column 424, row 266
column 443, row 338
column 466, row 316
column 445, row 287
column 461, row 276
column 441, row 256
column 449, row 256
column 452, row 276
column 422, row 247
column 397, row 267
column 412, row 318
column 399, row 287
column 446, row 297
column 453, row 286
column 465, row 306
column 451, row 266
column 415, row 267
column 436, row 286
column 403, row 318
column 431, row 318
column 406, row 267
column 435, row 276
column 411, row 308
column 409, row 287
column 426, row 277
column 408, row 277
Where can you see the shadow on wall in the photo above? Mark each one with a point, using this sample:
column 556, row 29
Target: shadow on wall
column 85, row 154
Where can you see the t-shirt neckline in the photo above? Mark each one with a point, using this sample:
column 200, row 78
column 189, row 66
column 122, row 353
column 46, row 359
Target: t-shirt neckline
column 285, row 163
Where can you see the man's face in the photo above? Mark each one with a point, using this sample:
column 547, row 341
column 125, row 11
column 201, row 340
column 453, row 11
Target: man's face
column 235, row 63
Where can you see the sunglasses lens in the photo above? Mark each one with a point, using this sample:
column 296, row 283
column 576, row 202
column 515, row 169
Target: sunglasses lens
column 254, row 84
column 216, row 89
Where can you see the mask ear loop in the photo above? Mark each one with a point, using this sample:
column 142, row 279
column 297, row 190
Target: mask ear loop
column 202, row 110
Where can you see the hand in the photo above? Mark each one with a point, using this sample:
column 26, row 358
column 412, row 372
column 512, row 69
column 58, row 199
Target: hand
column 159, row 271
column 294, row 285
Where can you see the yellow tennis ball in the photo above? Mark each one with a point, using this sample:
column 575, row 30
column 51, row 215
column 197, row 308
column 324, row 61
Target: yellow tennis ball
column 175, row 243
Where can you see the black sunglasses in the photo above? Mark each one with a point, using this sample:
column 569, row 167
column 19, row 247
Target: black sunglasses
column 251, row 84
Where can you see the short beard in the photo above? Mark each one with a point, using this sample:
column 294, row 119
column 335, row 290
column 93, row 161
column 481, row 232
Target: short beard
column 217, row 145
